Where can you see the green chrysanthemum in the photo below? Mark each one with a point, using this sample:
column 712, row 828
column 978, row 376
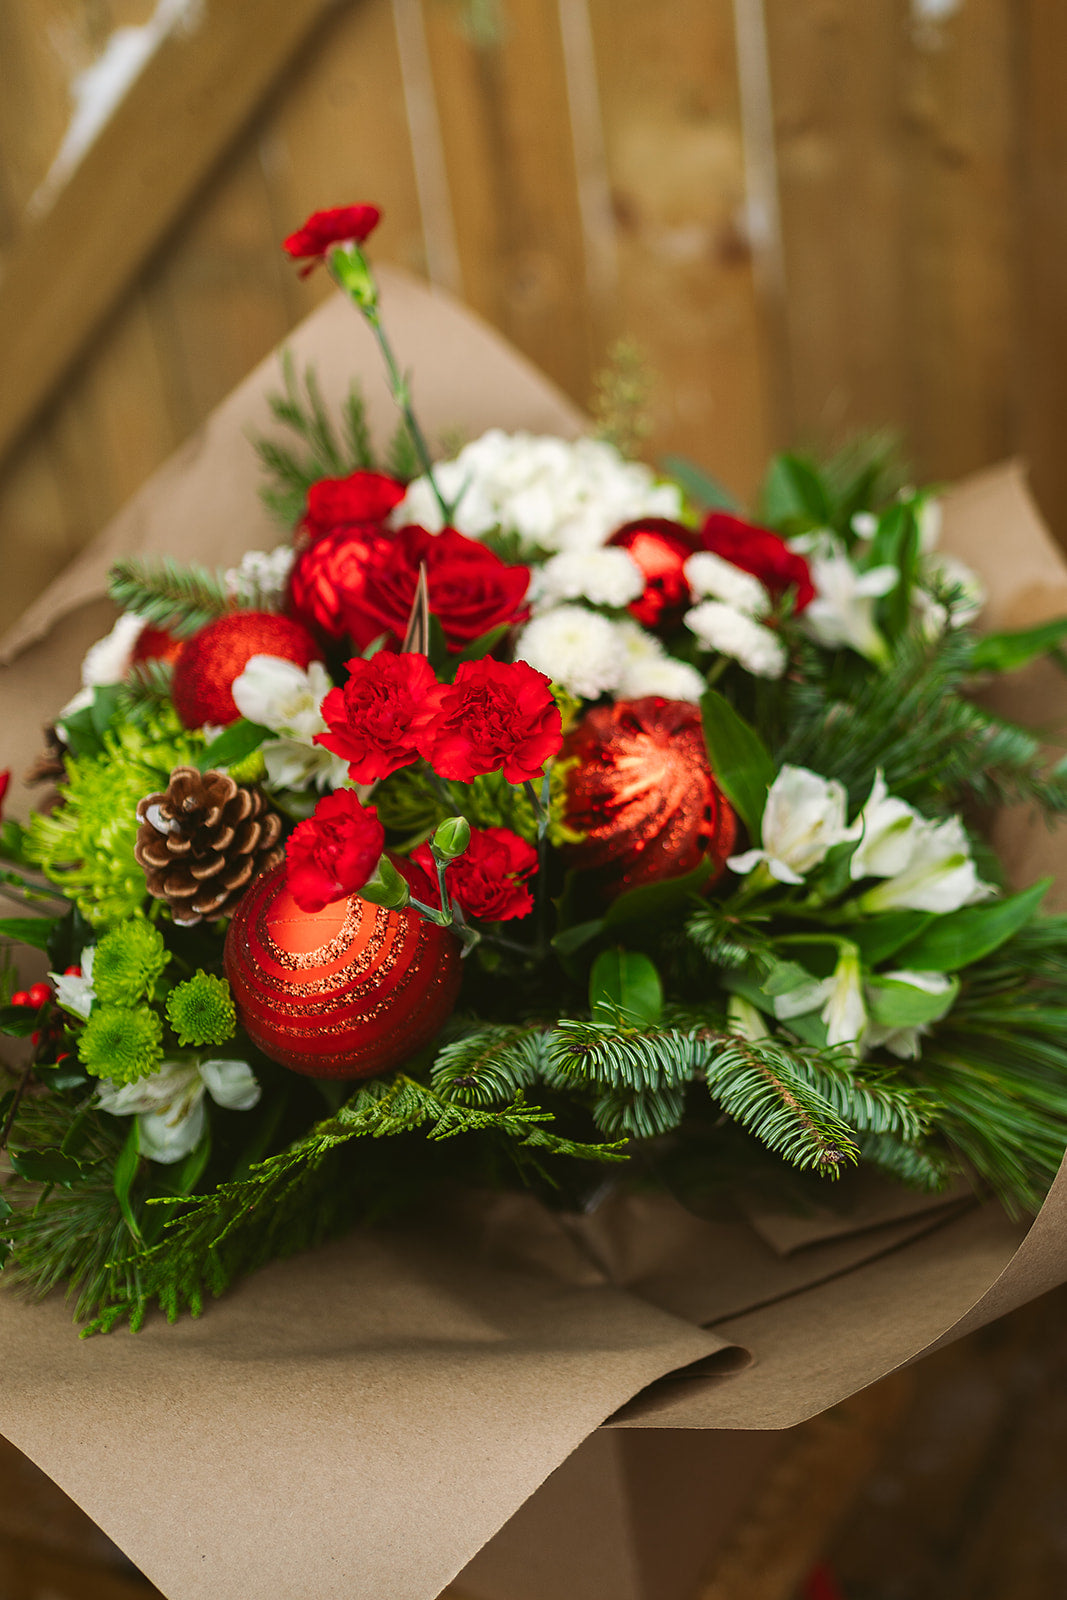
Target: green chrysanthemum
column 201, row 1011
column 86, row 844
column 123, row 1043
column 128, row 962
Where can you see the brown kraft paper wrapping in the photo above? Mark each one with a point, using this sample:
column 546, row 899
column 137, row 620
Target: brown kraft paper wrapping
column 357, row 1422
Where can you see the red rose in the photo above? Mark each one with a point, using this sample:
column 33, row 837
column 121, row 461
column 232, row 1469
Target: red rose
column 5, row 780
column 488, row 879
column 334, row 852
column 325, row 572
column 373, row 720
column 496, row 716
column 661, row 549
column 760, row 552
column 361, row 497
column 471, row 590
column 323, row 229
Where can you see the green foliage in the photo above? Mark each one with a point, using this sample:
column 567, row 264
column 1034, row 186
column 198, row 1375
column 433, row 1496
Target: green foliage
column 146, row 688
column 621, row 397
column 180, row 597
column 128, row 962
column 401, row 457
column 319, row 451
column 739, row 759
column 123, row 1043
column 201, row 1011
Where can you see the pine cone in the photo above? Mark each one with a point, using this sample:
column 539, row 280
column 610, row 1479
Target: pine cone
column 203, row 841
column 51, row 764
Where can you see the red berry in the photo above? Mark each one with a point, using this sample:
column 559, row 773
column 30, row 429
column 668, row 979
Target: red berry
column 20, row 998
column 72, row 972
column 40, row 994
column 35, row 1036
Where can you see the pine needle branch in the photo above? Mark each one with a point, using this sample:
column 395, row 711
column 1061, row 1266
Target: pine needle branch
column 181, row 599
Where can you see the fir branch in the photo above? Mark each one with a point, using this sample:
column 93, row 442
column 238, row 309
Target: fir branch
column 920, row 1166
column 147, row 687
column 757, row 1082
column 181, row 599
column 608, row 1056
column 633, row 1114
column 729, row 941
column 490, row 1064
column 318, row 451
column 401, row 456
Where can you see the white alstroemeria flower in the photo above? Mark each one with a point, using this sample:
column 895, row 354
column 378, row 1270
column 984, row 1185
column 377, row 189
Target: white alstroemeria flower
column 74, row 993
column 285, row 698
column 260, row 580
column 842, row 612
column 938, row 875
column 838, row 998
column 577, row 648
column 733, row 633
column 169, row 1105
column 888, row 837
column 804, row 818
column 608, row 577
column 865, row 525
column 708, row 575
column 904, row 1041
column 109, row 659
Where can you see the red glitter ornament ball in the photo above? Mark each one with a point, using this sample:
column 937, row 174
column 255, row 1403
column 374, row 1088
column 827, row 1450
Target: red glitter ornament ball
column 661, row 549
column 642, row 793
column 209, row 662
column 345, row 992
column 154, row 644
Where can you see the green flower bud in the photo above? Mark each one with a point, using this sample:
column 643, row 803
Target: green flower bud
column 386, row 886
column 451, row 838
column 350, row 269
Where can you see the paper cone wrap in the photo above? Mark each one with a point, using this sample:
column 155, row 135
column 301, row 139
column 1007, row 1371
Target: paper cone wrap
column 355, row 1423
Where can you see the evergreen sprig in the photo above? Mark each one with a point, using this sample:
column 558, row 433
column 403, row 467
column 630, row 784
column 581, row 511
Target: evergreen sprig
column 148, row 685
column 180, row 598
column 324, row 453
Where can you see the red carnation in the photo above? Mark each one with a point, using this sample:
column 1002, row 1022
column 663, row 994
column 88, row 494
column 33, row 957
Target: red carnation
column 760, row 552
column 324, row 229
column 471, row 590
column 334, row 852
column 375, row 718
column 361, row 497
column 5, row 781
column 496, row 716
column 488, row 879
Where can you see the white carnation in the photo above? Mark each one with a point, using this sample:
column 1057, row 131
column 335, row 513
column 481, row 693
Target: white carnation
column 556, row 494
column 708, row 574
column 732, row 633
column 109, row 659
column 674, row 680
column 607, row 577
column 261, row 577
column 576, row 648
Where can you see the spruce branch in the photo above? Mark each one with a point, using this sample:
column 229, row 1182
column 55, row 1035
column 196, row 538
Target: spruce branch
column 180, row 599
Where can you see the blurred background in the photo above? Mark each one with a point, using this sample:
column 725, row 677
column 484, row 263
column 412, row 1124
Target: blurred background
column 812, row 216
column 809, row 217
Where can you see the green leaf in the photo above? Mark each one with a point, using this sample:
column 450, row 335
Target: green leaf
column 651, row 902
column 698, row 485
column 105, row 704
column 484, row 643
column 883, row 936
column 739, row 759
column 794, row 492
column 1007, row 652
column 894, row 1004
column 235, row 743
column 573, row 938
column 80, row 732
column 624, row 983
column 126, row 1168
column 35, row 931
column 191, row 1170
column 46, row 1166
column 961, row 937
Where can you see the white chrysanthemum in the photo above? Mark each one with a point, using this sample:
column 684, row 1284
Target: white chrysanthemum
column 576, row 648
column 666, row 676
column 108, row 660
column 283, row 697
column 556, row 494
column 260, row 579
column 732, row 633
column 608, row 577
column 708, row 575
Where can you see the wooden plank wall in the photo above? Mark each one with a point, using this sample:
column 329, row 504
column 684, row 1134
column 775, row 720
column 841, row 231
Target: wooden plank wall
column 576, row 170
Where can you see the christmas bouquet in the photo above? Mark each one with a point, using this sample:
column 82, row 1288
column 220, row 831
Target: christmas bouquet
column 525, row 817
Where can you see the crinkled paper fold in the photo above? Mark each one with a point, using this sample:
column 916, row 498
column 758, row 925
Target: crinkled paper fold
column 355, row 1423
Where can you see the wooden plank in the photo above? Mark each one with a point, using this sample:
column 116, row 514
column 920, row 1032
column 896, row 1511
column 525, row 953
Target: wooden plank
column 1042, row 250
column 672, row 129
column 501, row 89
column 35, row 526
column 190, row 101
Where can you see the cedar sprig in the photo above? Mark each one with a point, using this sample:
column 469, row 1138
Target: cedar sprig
column 179, row 598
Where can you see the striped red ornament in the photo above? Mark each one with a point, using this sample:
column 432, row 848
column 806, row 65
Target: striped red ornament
column 345, row 992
